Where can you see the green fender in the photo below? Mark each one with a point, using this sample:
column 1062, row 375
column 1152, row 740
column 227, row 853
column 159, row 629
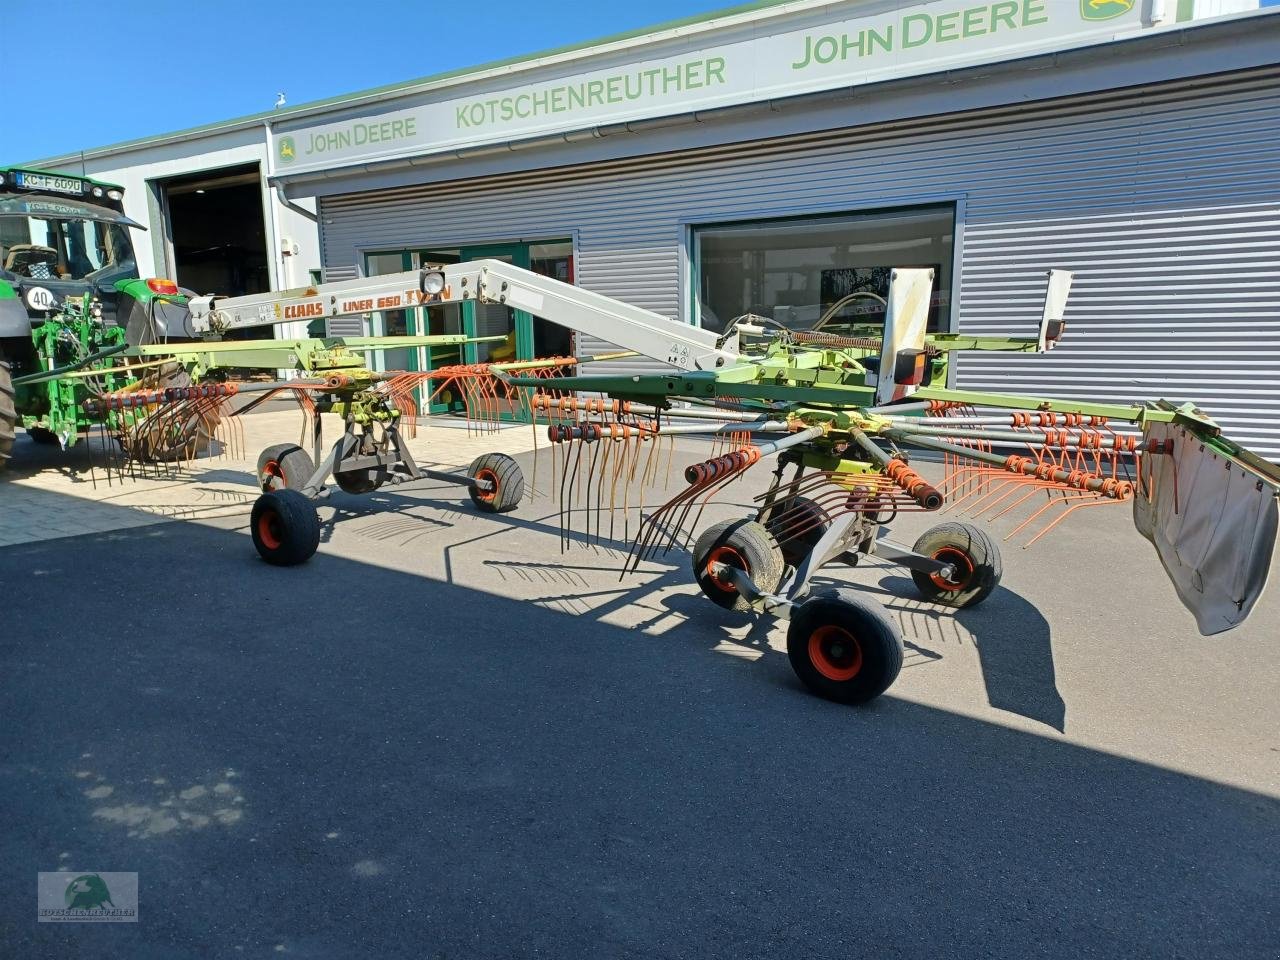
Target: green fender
column 138, row 289
column 148, row 316
column 14, row 321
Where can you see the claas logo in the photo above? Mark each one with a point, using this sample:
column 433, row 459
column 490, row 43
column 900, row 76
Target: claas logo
column 1104, row 9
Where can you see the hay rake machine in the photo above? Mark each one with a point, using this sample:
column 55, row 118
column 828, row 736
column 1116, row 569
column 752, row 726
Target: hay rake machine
column 837, row 410
column 379, row 410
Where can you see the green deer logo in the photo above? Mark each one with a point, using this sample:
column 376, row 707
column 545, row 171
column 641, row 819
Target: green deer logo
column 88, row 892
column 1104, row 9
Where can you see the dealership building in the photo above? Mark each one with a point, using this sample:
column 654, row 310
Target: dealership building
column 773, row 157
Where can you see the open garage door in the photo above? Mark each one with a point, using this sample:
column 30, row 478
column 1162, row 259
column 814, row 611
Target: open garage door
column 217, row 233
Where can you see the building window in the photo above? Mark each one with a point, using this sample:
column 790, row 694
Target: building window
column 796, row 271
column 390, row 323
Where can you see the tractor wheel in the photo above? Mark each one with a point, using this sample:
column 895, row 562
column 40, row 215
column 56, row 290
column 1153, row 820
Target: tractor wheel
column 744, row 545
column 507, row 479
column 365, row 480
column 160, row 437
column 42, row 436
column 797, row 524
column 975, row 561
column 284, row 466
column 285, row 528
column 844, row 647
column 8, row 413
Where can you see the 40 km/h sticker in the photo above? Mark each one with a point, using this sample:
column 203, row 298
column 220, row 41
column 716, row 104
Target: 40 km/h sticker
column 38, row 298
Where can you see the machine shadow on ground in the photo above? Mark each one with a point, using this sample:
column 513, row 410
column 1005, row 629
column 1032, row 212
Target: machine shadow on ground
column 1017, row 666
column 343, row 759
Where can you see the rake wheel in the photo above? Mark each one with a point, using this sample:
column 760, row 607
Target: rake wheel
column 797, row 523
column 507, row 478
column 974, row 557
column 844, row 647
column 363, row 479
column 159, row 438
column 744, row 545
column 284, row 466
column 285, row 528
column 366, row 480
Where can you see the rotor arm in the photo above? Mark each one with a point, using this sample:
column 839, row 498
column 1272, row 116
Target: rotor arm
column 488, row 281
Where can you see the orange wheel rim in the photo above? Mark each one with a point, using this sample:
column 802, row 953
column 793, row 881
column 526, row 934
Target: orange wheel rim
column 488, row 496
column 729, row 557
column 269, row 530
column 835, row 653
column 271, row 472
column 961, row 569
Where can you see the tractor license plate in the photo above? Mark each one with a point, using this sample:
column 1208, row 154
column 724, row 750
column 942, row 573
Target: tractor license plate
column 42, row 181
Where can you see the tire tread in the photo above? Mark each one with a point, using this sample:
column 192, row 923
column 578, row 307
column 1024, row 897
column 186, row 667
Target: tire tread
column 989, row 567
column 510, row 482
column 299, row 525
column 877, row 633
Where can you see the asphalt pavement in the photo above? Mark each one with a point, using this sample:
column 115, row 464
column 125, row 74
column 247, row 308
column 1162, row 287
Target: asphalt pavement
column 444, row 737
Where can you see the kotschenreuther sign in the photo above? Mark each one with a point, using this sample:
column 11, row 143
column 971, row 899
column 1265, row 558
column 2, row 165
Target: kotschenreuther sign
column 911, row 40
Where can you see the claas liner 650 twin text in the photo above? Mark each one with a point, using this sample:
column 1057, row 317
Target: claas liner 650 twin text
column 836, row 408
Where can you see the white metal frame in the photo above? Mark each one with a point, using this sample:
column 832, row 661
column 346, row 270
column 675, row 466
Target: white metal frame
column 672, row 342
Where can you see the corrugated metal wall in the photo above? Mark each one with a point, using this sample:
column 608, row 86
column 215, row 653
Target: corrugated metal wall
column 1166, row 203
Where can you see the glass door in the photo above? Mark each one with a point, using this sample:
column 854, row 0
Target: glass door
column 440, row 318
column 523, row 335
column 391, row 323
column 497, row 319
column 554, row 259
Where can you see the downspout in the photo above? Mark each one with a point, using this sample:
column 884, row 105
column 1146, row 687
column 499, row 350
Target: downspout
column 282, row 281
column 277, row 258
column 301, row 211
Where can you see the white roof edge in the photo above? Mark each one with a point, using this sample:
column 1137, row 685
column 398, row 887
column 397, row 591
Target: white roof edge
column 582, row 53
column 463, row 77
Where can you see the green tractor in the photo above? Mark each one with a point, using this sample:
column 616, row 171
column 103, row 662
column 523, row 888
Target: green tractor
column 71, row 301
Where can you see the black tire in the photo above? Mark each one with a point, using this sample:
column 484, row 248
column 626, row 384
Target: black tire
column 365, row 480
column 844, row 647
column 508, row 480
column 44, row 437
column 745, row 545
column 8, row 413
column 159, row 438
column 797, row 524
column 284, row 466
column 285, row 528
column 974, row 555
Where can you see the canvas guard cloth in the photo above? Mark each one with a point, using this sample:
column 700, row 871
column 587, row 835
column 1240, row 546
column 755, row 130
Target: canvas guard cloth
column 1213, row 523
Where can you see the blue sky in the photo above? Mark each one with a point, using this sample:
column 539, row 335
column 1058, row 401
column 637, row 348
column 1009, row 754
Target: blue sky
column 142, row 68
column 131, row 68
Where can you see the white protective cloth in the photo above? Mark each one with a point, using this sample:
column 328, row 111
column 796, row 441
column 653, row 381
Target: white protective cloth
column 1213, row 523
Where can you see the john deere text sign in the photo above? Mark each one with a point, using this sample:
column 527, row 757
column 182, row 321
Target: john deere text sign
column 911, row 40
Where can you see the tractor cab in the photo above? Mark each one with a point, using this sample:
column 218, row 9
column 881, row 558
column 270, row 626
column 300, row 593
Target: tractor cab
column 63, row 236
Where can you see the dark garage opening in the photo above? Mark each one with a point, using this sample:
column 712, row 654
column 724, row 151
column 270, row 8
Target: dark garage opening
column 218, row 234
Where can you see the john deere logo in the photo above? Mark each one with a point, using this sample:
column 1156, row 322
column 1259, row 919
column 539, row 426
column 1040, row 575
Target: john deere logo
column 1104, row 9
column 88, row 892
column 289, row 153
